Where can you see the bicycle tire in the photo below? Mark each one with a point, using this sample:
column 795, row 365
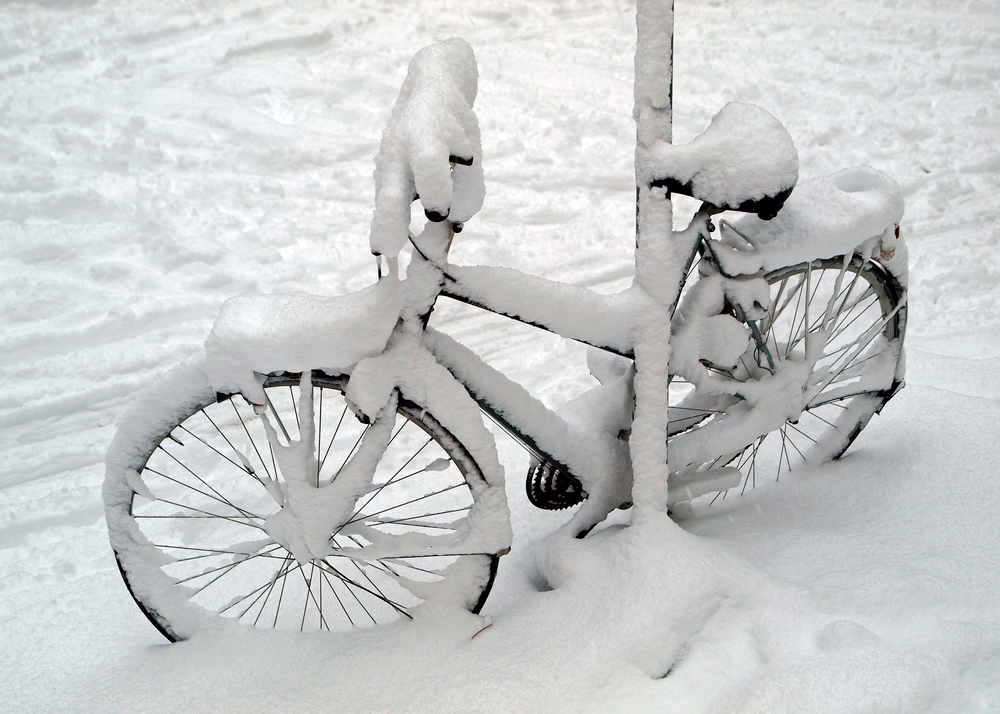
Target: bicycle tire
column 864, row 307
column 188, row 506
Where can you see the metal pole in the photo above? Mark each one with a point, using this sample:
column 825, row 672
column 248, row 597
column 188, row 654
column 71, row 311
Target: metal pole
column 656, row 269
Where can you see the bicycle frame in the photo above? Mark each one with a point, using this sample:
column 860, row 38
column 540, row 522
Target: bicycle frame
column 594, row 452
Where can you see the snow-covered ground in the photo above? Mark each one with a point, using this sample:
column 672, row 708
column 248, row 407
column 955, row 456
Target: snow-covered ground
column 157, row 158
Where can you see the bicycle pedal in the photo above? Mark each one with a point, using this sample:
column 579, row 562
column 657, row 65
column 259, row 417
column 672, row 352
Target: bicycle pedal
column 550, row 487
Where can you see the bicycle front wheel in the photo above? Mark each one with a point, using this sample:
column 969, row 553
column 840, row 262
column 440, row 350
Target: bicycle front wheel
column 845, row 318
column 193, row 493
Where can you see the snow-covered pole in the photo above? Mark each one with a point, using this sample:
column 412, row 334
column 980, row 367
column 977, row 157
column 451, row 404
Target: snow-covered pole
column 656, row 268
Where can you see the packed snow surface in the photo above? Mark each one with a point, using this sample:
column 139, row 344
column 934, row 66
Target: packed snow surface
column 157, row 159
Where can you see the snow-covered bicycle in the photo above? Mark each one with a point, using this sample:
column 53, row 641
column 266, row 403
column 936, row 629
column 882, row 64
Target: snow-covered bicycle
column 326, row 465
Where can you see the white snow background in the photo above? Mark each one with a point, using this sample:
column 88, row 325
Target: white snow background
column 159, row 157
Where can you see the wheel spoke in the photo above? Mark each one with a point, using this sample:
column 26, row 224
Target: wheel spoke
column 277, row 418
column 213, row 515
column 332, row 438
column 253, row 442
column 295, row 410
column 375, row 587
column 348, row 581
column 305, row 607
column 358, row 517
column 335, row 595
column 814, row 415
column 393, row 479
column 228, row 568
column 319, row 437
column 218, row 496
column 269, row 586
column 242, row 467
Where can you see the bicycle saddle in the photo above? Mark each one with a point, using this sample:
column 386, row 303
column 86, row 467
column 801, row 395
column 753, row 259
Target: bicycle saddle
column 744, row 161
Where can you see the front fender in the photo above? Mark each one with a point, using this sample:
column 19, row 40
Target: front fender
column 295, row 332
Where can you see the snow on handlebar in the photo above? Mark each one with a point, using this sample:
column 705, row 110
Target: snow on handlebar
column 431, row 147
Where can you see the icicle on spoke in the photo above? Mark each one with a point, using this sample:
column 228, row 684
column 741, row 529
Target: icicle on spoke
column 841, row 297
column 699, row 410
column 772, row 316
column 377, row 564
column 842, row 327
column 411, row 566
column 216, row 553
column 871, row 339
column 856, row 363
column 351, row 452
column 793, row 293
column 797, row 295
column 423, row 515
column 415, row 522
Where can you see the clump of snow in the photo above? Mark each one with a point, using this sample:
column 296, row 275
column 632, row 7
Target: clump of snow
column 432, row 121
column 745, row 154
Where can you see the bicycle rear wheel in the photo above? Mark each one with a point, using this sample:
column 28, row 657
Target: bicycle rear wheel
column 194, row 489
column 850, row 315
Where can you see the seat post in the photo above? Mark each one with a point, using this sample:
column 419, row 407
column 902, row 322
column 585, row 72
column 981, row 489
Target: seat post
column 657, row 270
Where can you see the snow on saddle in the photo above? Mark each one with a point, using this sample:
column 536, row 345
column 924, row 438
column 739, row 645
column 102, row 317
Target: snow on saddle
column 744, row 161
